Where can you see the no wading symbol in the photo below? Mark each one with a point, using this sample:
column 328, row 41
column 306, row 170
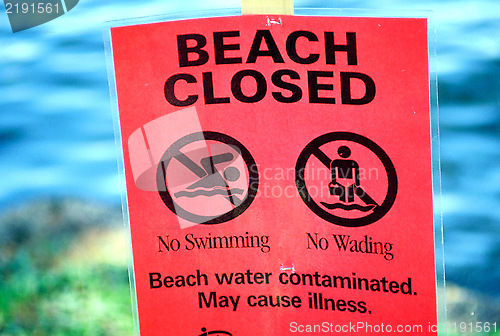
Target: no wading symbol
column 207, row 178
column 346, row 179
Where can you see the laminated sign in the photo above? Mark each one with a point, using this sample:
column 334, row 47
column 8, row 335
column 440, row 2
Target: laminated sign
column 278, row 173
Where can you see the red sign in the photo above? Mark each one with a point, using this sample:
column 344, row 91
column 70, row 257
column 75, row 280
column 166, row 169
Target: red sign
column 278, row 174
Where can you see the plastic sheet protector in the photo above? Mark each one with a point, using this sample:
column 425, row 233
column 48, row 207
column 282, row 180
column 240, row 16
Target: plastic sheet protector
column 279, row 174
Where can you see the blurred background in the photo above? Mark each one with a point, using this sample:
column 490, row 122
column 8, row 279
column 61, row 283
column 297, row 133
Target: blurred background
column 63, row 256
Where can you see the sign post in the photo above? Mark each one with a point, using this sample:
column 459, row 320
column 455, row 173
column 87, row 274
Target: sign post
column 284, row 7
column 279, row 174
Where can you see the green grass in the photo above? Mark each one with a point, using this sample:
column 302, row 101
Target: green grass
column 48, row 288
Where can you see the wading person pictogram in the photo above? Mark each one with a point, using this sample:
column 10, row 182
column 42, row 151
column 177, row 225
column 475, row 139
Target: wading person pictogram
column 345, row 175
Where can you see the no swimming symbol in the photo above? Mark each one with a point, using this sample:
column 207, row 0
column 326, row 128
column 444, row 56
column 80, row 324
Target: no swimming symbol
column 350, row 196
column 212, row 165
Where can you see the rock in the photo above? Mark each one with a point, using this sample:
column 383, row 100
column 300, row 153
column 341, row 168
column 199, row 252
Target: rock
column 464, row 305
column 55, row 217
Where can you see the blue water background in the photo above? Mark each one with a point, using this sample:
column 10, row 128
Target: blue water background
column 56, row 127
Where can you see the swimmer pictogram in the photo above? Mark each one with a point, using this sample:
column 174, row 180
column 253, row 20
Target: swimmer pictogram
column 207, row 178
column 212, row 182
column 345, row 199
